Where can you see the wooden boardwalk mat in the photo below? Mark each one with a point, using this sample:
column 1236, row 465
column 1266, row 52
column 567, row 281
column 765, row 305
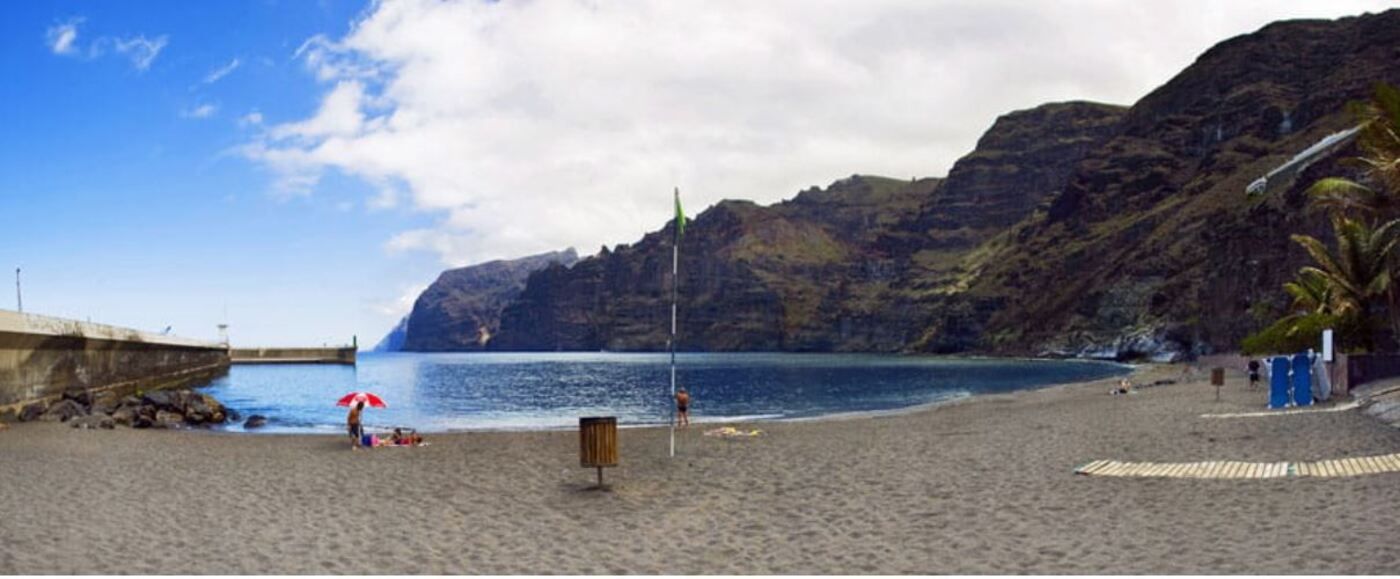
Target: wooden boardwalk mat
column 1224, row 469
column 1338, row 408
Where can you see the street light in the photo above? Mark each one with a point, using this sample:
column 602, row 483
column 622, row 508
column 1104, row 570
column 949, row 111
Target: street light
column 19, row 297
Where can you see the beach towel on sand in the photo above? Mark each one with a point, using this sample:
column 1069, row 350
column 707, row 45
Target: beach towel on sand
column 731, row 432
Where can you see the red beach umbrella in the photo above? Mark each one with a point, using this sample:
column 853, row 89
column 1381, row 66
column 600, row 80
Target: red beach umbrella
column 367, row 397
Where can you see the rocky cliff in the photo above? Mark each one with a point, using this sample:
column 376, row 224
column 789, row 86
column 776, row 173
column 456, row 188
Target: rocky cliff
column 1071, row 229
column 394, row 340
column 1152, row 247
column 862, row 265
column 461, row 311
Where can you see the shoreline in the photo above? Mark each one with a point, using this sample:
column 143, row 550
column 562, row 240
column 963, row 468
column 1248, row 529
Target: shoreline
column 984, row 484
column 956, row 397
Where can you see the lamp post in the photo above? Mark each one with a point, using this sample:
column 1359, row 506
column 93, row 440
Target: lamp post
column 19, row 297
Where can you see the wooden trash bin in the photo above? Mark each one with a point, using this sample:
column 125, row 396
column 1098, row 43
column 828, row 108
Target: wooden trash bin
column 597, row 437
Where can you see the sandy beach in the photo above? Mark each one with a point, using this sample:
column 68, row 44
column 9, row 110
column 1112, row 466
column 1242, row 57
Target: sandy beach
column 981, row 486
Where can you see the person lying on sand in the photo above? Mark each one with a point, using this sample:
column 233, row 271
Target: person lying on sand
column 1124, row 387
column 398, row 438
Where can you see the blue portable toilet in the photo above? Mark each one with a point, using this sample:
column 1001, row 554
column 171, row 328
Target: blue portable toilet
column 1278, row 382
column 1302, row 380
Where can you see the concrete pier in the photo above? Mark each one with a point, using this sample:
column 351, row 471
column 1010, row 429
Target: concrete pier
column 333, row 355
column 42, row 357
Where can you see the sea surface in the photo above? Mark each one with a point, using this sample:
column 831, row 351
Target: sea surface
column 530, row 391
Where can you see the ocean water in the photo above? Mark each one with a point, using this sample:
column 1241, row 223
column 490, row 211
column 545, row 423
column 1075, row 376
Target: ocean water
column 529, row 391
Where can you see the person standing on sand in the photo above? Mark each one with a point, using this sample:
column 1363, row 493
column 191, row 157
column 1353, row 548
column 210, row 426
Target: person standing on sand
column 1253, row 374
column 683, row 407
column 353, row 420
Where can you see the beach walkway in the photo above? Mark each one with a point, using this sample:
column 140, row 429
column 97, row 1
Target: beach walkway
column 1224, row 469
column 1292, row 412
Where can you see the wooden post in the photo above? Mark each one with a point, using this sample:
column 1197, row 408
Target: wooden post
column 1217, row 379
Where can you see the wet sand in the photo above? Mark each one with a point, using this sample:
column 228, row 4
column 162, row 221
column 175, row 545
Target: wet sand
column 980, row 486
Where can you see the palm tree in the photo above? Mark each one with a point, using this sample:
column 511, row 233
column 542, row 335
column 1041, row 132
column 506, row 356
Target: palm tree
column 1312, row 294
column 1357, row 277
column 1379, row 145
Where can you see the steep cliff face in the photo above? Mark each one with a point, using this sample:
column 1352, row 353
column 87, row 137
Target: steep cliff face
column 865, row 264
column 394, row 340
column 799, row 275
column 1152, row 247
column 461, row 311
column 1022, row 161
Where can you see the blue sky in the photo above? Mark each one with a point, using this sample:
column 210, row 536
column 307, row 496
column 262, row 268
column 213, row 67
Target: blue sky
column 122, row 207
column 302, row 169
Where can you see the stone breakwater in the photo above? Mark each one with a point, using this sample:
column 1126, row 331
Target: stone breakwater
column 168, row 409
column 43, row 358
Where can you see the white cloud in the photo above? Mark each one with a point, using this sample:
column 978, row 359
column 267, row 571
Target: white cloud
column 252, row 119
column 141, row 50
column 223, row 71
column 61, row 37
column 540, row 125
column 203, row 111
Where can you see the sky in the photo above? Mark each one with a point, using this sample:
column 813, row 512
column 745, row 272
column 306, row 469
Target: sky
column 301, row 170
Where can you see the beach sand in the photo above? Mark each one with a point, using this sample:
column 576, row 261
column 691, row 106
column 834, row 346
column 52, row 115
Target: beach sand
column 981, row 486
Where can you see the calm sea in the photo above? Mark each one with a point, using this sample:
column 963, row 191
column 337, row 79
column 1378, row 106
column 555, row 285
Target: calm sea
column 519, row 391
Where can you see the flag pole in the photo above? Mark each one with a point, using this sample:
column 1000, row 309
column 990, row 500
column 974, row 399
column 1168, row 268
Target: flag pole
column 675, row 282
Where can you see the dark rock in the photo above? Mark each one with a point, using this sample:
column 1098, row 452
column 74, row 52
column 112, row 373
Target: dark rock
column 81, row 397
column 93, row 421
column 62, row 411
column 32, row 412
column 255, row 421
column 105, row 403
column 206, row 408
column 160, row 399
column 196, row 407
column 141, row 421
column 124, row 416
column 232, row 415
column 170, row 420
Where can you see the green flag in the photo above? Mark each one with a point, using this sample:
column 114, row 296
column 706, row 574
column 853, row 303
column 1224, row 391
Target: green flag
column 680, row 215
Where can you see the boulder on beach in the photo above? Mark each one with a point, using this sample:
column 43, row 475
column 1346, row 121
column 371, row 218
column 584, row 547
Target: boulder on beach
column 81, row 397
column 167, row 419
column 33, row 411
column 141, row 421
column 124, row 416
column 62, row 411
column 93, row 422
column 255, row 421
column 161, row 399
column 105, row 403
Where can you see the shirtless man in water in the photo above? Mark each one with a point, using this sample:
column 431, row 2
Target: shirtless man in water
column 683, row 407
